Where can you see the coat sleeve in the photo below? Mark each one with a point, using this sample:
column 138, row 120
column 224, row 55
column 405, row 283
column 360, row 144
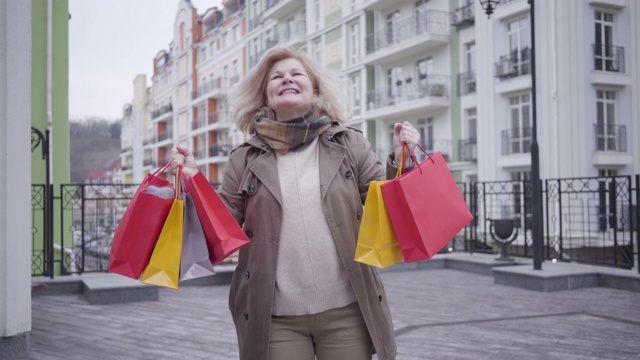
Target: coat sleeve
column 229, row 190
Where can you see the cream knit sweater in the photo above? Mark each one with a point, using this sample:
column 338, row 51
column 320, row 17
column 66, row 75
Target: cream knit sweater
column 309, row 277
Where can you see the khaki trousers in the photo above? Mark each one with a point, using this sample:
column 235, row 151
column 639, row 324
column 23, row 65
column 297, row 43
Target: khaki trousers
column 336, row 334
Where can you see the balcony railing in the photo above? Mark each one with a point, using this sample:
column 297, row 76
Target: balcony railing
column 147, row 162
column 431, row 86
column 463, row 16
column 608, row 58
column 161, row 111
column 198, row 123
column 297, row 32
column 517, row 63
column 467, row 83
column 421, row 23
column 611, row 137
column 219, row 150
column 468, row 149
column 516, row 140
column 206, row 87
column 163, row 135
column 255, row 22
column 432, row 146
column 199, row 153
column 270, row 3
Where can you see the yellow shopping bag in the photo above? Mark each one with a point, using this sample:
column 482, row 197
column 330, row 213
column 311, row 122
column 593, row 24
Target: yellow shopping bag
column 377, row 242
column 164, row 267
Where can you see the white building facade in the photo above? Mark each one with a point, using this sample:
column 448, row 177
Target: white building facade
column 462, row 79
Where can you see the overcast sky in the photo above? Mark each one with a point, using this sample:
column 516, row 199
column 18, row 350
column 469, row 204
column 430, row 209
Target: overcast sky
column 110, row 42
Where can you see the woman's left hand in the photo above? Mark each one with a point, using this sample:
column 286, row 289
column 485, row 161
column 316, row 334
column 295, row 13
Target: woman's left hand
column 404, row 133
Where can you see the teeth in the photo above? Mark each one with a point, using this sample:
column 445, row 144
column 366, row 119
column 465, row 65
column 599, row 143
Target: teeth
column 291, row 91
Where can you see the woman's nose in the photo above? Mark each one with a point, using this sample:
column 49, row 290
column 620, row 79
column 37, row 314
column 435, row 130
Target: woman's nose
column 287, row 79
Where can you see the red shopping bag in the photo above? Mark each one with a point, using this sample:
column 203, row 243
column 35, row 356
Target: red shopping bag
column 140, row 226
column 224, row 235
column 426, row 208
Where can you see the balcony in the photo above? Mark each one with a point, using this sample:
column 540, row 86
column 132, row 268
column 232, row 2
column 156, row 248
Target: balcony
column 219, row 150
column 468, row 149
column 433, row 146
column 147, row 162
column 408, row 37
column 516, row 140
column 164, row 135
column 464, row 16
column 434, row 86
column 255, row 22
column 517, row 63
column 611, row 137
column 215, row 88
column 198, row 123
column 278, row 9
column 161, row 111
column 608, row 58
column 294, row 34
column 466, row 83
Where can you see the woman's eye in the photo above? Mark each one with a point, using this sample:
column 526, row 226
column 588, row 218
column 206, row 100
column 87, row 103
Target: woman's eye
column 276, row 77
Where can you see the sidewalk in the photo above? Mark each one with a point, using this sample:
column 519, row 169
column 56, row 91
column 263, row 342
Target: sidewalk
column 438, row 314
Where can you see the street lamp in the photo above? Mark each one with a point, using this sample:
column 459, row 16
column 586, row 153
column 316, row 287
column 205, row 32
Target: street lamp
column 536, row 185
column 488, row 6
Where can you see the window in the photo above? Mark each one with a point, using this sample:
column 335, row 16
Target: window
column 421, row 16
column 470, row 56
column 225, row 75
column 235, row 33
column 236, row 77
column 393, row 27
column 394, row 84
column 606, row 120
column 211, row 49
column 225, row 37
column 424, row 67
column 354, row 43
column 472, row 124
column 520, row 134
column 354, row 92
column 318, row 14
column 604, row 50
column 425, row 129
column 317, row 51
column 519, row 45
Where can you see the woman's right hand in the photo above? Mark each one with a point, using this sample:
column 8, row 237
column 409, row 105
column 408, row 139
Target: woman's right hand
column 182, row 157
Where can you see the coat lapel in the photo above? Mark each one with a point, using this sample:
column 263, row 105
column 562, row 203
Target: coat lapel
column 265, row 168
column 331, row 157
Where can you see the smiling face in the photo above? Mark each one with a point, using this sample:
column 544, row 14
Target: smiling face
column 289, row 92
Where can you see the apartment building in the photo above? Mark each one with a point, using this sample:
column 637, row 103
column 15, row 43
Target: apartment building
column 461, row 78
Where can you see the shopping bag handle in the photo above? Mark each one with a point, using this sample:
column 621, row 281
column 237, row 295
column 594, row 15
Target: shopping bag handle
column 413, row 156
column 179, row 182
column 162, row 168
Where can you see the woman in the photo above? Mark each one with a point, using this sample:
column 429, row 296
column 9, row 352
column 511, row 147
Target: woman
column 298, row 188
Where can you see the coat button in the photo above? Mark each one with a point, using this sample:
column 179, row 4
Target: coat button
column 247, row 275
column 249, row 233
column 358, row 215
column 246, row 316
column 348, row 174
column 252, row 189
column 380, row 298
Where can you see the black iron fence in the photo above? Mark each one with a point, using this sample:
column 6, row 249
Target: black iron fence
column 592, row 220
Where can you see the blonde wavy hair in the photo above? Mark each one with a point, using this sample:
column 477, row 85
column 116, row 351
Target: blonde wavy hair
column 247, row 96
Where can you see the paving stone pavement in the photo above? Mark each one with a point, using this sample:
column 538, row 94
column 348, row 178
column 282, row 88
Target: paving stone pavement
column 438, row 314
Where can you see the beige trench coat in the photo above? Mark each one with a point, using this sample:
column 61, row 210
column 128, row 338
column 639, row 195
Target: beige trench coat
column 251, row 190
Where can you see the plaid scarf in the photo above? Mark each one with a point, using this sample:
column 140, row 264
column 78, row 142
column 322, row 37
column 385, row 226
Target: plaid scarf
column 285, row 136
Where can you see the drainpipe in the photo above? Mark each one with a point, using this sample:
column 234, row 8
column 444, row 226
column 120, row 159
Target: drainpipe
column 49, row 67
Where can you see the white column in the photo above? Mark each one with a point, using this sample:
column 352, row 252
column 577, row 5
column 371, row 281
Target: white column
column 15, row 177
